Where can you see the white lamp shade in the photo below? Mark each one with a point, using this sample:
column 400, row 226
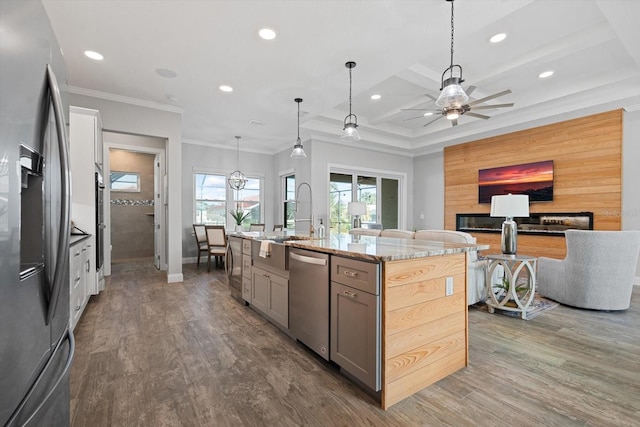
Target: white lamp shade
column 510, row 205
column 298, row 151
column 357, row 208
column 452, row 96
column 350, row 133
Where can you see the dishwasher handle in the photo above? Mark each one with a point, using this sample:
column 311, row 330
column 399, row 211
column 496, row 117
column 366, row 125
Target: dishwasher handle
column 308, row 259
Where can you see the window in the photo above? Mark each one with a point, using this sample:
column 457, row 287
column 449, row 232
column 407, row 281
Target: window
column 249, row 200
column 125, row 181
column 210, row 199
column 380, row 194
column 289, row 201
column 340, row 194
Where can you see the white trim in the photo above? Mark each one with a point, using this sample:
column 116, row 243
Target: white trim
column 175, row 278
column 107, row 200
column 225, row 146
column 124, row 99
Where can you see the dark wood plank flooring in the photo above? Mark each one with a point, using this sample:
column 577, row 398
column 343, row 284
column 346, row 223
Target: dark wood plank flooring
column 151, row 353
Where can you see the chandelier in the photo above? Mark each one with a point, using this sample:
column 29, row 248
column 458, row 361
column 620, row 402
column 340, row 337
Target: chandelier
column 237, row 180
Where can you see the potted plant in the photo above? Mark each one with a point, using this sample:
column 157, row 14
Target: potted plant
column 239, row 215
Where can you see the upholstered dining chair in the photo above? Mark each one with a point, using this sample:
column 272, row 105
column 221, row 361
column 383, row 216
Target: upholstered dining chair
column 217, row 243
column 201, row 239
column 597, row 272
column 394, row 232
column 364, row 232
column 278, row 227
column 256, row 227
column 476, row 291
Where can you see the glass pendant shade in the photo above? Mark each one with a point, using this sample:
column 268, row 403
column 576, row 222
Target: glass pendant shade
column 452, row 95
column 350, row 133
column 298, row 151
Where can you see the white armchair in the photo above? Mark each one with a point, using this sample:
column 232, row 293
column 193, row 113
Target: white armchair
column 475, row 268
column 597, row 272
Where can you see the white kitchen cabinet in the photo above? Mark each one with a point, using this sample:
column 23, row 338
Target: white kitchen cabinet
column 85, row 152
column 81, row 276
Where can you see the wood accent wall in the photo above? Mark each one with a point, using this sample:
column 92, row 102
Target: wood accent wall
column 424, row 332
column 587, row 158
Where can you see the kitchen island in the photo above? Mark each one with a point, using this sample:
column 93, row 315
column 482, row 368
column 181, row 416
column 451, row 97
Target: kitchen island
column 423, row 310
column 398, row 308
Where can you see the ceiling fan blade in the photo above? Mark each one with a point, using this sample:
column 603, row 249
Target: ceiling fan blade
column 480, row 116
column 486, row 107
column 431, row 97
column 486, row 98
column 428, row 123
column 454, row 122
column 469, row 90
column 419, row 109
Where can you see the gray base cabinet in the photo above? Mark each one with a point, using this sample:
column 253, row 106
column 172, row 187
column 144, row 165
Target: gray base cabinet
column 355, row 319
column 270, row 295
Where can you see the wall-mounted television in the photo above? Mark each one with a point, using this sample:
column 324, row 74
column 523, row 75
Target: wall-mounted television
column 533, row 179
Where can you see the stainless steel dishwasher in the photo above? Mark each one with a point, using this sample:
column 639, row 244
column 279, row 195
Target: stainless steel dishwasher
column 309, row 299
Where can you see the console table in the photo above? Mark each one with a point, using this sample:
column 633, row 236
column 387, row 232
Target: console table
column 515, row 288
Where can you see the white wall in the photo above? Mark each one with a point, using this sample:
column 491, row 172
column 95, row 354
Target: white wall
column 222, row 160
column 127, row 118
column 428, row 194
column 631, row 174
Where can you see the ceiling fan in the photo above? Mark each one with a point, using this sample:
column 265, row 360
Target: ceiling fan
column 453, row 100
column 453, row 112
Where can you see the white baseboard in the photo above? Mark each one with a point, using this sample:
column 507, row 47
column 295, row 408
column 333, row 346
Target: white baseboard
column 174, row 278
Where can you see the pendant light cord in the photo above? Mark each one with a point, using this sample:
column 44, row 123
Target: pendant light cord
column 238, row 152
column 350, row 90
column 298, row 121
column 452, row 38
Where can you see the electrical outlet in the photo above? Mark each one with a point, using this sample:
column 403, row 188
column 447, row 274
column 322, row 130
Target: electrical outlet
column 449, row 286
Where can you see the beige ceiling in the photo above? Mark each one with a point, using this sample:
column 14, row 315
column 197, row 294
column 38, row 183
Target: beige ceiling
column 401, row 49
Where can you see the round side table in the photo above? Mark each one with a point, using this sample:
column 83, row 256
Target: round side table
column 515, row 290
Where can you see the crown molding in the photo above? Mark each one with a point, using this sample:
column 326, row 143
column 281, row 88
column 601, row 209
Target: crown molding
column 124, row 99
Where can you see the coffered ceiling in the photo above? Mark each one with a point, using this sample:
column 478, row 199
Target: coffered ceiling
column 401, row 49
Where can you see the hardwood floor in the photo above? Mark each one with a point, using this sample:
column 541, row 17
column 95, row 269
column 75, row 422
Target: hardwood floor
column 151, row 353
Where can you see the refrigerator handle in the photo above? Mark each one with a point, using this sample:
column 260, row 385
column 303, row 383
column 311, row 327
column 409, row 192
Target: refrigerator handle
column 62, row 254
column 68, row 335
column 228, row 262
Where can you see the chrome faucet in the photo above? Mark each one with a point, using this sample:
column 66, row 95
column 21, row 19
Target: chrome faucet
column 310, row 219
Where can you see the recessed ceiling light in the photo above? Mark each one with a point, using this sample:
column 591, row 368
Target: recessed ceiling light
column 93, row 55
column 226, row 88
column 166, row 73
column 267, row 33
column 376, row 96
column 428, row 114
column 545, row 74
column 497, row 38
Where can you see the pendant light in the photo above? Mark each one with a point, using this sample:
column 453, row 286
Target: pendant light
column 452, row 96
column 298, row 151
column 351, row 121
column 237, row 180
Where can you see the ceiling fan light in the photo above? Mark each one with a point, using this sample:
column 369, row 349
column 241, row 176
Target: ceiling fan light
column 453, row 114
column 350, row 133
column 298, row 151
column 452, row 95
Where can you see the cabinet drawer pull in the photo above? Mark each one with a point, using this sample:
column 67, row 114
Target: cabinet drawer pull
column 350, row 294
column 351, row 273
column 77, row 280
column 76, row 254
column 88, row 266
column 78, row 307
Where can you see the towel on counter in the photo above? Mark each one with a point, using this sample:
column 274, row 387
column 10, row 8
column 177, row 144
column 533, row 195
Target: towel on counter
column 265, row 248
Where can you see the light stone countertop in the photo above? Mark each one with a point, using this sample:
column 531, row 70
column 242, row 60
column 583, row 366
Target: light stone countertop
column 381, row 248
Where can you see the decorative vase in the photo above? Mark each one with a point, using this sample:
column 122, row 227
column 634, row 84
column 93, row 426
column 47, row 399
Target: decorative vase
column 239, row 228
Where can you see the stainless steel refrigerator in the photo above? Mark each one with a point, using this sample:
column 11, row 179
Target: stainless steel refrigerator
column 36, row 346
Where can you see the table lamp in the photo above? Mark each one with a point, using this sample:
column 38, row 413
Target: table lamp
column 356, row 209
column 510, row 206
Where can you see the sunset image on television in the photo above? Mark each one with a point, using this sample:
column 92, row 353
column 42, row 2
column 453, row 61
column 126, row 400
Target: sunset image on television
column 533, row 179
